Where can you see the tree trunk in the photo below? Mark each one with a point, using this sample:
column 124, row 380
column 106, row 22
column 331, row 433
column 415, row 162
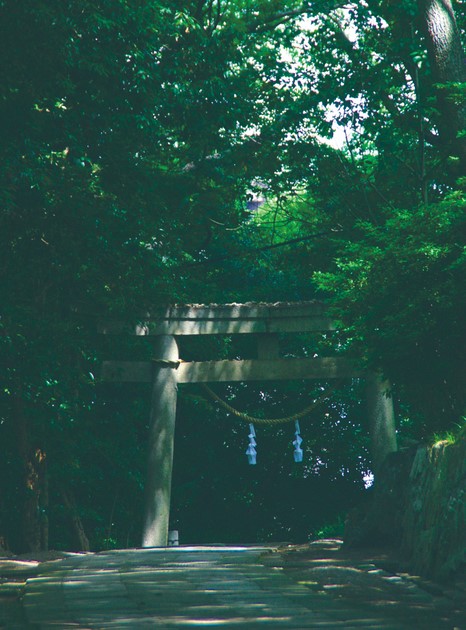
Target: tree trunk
column 76, row 522
column 44, row 507
column 33, row 525
column 448, row 63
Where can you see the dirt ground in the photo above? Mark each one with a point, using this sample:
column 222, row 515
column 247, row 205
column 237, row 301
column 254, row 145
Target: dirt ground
column 374, row 578
column 370, row 579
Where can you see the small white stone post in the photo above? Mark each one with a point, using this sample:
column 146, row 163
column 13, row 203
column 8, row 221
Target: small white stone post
column 161, row 443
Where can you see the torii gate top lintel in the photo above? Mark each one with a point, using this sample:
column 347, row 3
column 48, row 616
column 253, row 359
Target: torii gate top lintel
column 230, row 319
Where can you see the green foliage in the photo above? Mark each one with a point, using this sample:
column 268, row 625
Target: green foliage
column 399, row 290
column 453, row 436
column 336, row 529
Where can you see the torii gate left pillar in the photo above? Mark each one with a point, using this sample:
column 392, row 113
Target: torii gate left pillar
column 161, row 441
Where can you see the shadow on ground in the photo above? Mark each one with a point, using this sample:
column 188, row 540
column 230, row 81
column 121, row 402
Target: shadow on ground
column 321, row 585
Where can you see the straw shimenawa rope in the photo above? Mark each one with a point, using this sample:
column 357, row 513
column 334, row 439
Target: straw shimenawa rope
column 251, row 419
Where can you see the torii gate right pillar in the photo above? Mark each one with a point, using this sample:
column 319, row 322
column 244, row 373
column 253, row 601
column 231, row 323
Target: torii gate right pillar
column 381, row 419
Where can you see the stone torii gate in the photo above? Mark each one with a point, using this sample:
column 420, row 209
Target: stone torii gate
column 264, row 322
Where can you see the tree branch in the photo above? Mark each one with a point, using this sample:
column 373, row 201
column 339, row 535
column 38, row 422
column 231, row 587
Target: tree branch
column 274, row 20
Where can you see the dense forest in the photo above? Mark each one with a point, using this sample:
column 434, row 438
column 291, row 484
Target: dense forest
column 156, row 152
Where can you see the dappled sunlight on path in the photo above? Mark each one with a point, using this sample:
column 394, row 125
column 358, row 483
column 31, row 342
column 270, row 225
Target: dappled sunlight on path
column 216, row 587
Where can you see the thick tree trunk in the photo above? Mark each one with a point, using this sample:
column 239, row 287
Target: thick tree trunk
column 448, row 63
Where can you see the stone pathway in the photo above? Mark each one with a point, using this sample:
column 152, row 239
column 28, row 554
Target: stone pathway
column 213, row 587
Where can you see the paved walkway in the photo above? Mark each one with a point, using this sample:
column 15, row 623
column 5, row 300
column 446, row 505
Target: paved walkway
column 212, row 587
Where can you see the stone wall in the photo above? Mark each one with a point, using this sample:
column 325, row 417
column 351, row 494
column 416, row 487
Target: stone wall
column 418, row 506
column 434, row 524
